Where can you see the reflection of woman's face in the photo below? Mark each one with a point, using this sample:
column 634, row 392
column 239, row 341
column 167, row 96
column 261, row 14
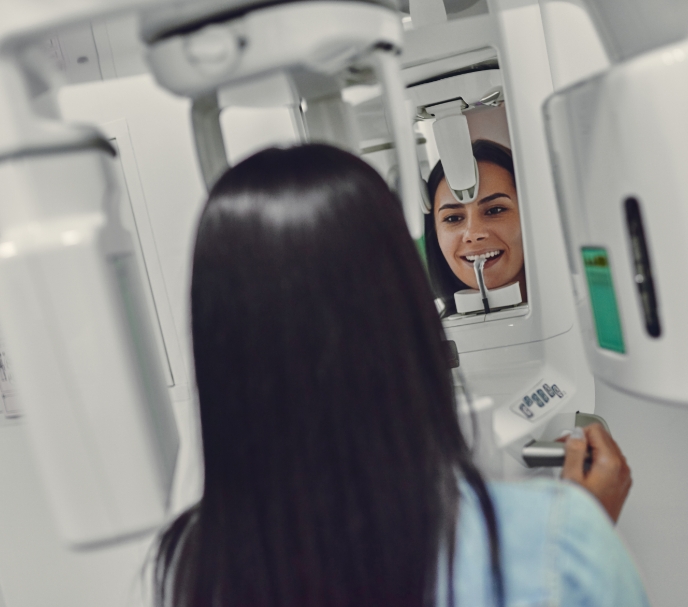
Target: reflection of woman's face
column 489, row 226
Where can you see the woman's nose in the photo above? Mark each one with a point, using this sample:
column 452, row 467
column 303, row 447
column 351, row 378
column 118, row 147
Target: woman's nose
column 475, row 228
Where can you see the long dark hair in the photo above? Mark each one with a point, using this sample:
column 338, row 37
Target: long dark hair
column 330, row 436
column 444, row 282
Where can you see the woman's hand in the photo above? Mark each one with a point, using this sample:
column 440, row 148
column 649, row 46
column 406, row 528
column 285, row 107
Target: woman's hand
column 609, row 477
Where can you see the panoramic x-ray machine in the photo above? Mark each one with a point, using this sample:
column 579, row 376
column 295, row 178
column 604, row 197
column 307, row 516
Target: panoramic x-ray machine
column 81, row 327
column 67, row 261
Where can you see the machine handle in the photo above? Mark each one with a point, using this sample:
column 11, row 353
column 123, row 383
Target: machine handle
column 542, row 454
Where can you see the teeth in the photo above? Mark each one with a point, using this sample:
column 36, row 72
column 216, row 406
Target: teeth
column 485, row 255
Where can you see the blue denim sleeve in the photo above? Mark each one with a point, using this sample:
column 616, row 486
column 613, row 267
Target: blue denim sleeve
column 558, row 547
column 592, row 566
column 523, row 513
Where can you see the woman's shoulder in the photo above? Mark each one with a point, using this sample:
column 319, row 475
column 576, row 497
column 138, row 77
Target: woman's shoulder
column 557, row 546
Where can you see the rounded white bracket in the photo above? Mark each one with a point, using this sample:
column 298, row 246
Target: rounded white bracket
column 454, row 146
column 323, row 37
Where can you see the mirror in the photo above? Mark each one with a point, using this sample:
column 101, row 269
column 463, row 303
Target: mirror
column 484, row 234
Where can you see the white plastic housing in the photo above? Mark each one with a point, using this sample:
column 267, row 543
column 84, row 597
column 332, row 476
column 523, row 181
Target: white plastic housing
column 631, row 27
column 87, row 369
column 454, row 145
column 445, row 99
column 620, row 135
column 320, row 36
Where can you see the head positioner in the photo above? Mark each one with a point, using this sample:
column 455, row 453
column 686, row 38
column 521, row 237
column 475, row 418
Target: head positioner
column 445, row 100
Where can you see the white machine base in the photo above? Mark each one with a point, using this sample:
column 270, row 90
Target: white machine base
column 469, row 300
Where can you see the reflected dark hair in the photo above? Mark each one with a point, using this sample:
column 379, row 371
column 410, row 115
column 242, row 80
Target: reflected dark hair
column 444, row 282
column 331, row 441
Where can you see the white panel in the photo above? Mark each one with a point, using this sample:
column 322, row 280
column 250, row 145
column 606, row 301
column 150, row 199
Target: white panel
column 165, row 169
column 134, row 216
column 247, row 130
column 153, row 131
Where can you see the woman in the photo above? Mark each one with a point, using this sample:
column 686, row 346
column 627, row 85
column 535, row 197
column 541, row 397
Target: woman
column 456, row 233
column 334, row 464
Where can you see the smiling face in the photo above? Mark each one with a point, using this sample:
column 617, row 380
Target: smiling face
column 489, row 226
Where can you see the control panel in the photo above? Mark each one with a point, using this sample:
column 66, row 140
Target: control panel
column 540, row 399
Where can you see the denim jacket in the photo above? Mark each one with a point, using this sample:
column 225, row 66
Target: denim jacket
column 558, row 549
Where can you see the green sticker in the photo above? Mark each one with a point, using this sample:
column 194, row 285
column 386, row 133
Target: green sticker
column 603, row 299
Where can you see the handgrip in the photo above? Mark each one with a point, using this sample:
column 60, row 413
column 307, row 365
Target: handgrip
column 538, row 454
column 543, row 454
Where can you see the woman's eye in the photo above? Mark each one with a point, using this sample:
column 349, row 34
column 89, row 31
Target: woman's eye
column 452, row 219
column 495, row 210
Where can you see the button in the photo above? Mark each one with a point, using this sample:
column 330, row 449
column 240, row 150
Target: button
column 557, row 391
column 525, row 410
column 537, row 400
column 548, row 389
column 543, row 396
column 527, row 400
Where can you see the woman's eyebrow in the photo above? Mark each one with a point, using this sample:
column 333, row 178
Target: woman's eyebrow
column 459, row 205
column 491, row 197
column 452, row 205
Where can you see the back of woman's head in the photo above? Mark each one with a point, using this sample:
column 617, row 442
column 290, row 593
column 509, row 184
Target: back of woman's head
column 330, row 438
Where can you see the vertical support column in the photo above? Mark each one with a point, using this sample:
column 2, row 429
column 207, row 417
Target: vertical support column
column 399, row 119
column 528, row 83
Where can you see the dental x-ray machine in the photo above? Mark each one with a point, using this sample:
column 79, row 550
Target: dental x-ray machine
column 526, row 358
column 72, row 309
